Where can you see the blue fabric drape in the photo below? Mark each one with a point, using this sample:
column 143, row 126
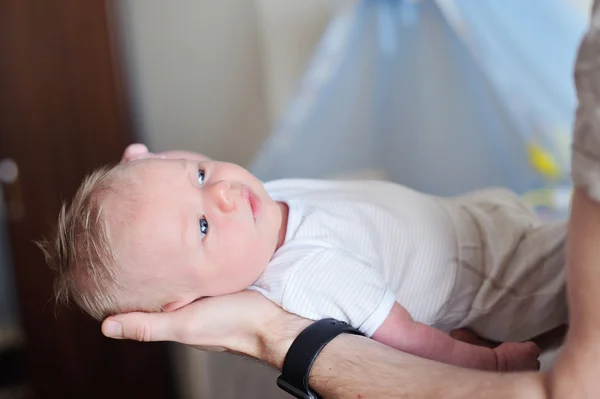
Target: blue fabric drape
column 442, row 96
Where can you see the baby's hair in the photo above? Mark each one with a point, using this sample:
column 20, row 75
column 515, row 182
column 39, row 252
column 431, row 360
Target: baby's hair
column 81, row 253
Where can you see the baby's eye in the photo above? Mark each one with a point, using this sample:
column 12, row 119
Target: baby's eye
column 203, row 227
column 201, row 176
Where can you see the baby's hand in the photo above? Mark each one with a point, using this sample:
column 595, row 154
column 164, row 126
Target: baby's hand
column 517, row 356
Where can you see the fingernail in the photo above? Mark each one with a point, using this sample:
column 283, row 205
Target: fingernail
column 113, row 329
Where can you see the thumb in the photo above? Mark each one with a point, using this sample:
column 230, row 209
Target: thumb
column 143, row 327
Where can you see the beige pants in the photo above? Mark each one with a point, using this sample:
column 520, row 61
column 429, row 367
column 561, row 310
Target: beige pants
column 511, row 268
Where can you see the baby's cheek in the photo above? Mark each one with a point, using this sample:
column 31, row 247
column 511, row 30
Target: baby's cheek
column 247, row 259
column 239, row 249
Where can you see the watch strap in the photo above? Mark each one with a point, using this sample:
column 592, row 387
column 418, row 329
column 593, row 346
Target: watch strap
column 303, row 352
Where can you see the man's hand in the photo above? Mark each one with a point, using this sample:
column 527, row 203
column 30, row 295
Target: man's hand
column 245, row 322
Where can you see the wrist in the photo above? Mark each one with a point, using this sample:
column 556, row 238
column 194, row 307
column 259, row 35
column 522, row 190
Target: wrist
column 496, row 361
column 276, row 337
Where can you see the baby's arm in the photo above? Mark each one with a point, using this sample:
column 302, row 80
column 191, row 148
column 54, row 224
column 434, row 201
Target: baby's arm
column 400, row 331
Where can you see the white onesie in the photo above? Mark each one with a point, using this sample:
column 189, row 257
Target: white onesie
column 352, row 248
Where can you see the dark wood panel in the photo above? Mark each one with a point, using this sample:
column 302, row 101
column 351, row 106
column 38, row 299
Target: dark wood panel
column 62, row 114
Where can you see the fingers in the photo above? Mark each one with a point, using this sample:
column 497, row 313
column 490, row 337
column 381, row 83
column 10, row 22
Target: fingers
column 228, row 322
column 143, row 327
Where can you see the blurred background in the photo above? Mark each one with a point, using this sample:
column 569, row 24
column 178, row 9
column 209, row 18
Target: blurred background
column 443, row 96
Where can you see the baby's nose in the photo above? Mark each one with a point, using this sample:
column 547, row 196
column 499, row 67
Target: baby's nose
column 225, row 196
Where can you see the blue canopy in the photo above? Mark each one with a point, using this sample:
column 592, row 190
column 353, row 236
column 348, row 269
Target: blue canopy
column 442, row 96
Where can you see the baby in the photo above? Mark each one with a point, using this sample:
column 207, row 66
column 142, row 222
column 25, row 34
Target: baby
column 159, row 231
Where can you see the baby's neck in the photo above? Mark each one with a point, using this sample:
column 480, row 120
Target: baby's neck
column 284, row 209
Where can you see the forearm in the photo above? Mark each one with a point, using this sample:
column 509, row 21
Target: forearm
column 583, row 250
column 583, row 259
column 579, row 362
column 353, row 366
column 386, row 373
column 577, row 366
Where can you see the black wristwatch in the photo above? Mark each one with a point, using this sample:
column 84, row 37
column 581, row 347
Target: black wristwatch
column 303, row 352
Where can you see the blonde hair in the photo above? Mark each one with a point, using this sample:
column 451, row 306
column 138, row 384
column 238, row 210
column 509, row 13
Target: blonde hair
column 81, row 252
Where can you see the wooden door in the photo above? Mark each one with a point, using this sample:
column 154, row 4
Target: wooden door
column 63, row 112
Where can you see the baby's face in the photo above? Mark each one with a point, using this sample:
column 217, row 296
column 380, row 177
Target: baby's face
column 194, row 229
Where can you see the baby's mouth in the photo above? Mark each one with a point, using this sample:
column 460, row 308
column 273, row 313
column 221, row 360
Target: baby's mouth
column 253, row 201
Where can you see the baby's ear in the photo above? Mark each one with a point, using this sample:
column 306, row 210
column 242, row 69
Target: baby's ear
column 171, row 306
column 135, row 151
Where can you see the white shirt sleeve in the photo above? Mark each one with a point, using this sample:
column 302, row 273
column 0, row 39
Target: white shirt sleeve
column 334, row 283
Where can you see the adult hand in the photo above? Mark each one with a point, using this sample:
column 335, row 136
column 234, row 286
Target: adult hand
column 245, row 322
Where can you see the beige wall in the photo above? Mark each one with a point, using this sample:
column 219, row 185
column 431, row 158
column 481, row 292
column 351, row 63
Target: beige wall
column 213, row 76
column 289, row 32
column 196, row 73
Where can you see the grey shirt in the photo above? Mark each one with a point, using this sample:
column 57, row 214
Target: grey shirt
column 586, row 136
